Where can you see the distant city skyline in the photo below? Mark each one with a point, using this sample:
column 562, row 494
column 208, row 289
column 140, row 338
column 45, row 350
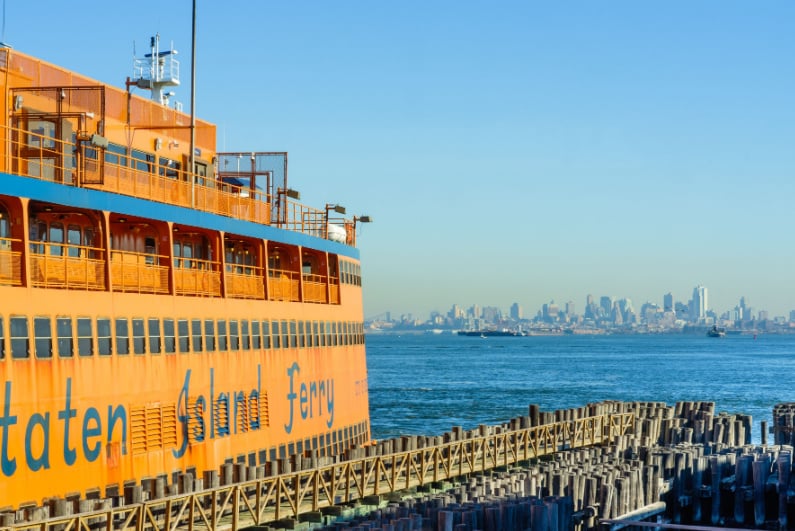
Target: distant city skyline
column 699, row 297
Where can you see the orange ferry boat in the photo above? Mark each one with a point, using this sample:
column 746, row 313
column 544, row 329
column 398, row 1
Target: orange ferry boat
column 163, row 310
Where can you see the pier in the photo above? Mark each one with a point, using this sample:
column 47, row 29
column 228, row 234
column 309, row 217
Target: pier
column 605, row 465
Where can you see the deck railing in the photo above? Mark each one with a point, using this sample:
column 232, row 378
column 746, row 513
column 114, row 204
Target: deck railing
column 197, row 277
column 42, row 157
column 10, row 263
column 139, row 272
column 315, row 288
column 283, row 285
column 244, row 282
column 62, row 265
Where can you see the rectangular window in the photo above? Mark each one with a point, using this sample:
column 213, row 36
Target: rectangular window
column 286, row 334
column 222, row 341
column 322, row 333
column 103, row 337
column 276, row 335
column 19, row 338
column 42, row 328
column 122, row 336
column 183, row 332
column 209, row 335
column 266, row 334
column 196, row 333
column 334, row 334
column 154, row 336
column 293, row 334
column 139, row 339
column 256, row 338
column 234, row 335
column 85, row 339
column 244, row 335
column 168, row 336
column 2, row 341
column 301, row 336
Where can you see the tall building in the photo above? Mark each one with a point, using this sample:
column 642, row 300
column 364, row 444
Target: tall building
column 668, row 302
column 606, row 303
column 570, row 311
column 516, row 311
column 700, row 304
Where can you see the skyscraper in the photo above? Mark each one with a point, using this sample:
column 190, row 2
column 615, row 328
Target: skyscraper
column 668, row 302
column 700, row 304
column 516, row 311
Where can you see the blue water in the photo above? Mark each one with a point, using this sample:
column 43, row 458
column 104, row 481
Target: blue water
column 424, row 385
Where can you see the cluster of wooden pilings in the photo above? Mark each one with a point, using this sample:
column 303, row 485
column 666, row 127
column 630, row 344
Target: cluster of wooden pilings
column 684, row 464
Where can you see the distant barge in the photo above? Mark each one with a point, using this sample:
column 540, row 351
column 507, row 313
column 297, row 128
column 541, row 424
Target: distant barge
column 489, row 333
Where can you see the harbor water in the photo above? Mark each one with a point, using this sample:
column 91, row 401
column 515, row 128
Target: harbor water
column 425, row 384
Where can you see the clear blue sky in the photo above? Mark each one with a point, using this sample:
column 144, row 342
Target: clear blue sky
column 508, row 151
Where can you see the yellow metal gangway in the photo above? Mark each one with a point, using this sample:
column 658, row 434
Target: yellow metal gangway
column 259, row 501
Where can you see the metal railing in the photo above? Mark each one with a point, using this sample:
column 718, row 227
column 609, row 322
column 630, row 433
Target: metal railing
column 260, row 501
column 244, row 282
column 62, row 265
column 139, row 272
column 46, row 158
column 197, row 277
column 283, row 285
column 10, row 263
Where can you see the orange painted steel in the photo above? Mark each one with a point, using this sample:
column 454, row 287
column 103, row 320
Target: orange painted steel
column 260, row 501
column 244, row 282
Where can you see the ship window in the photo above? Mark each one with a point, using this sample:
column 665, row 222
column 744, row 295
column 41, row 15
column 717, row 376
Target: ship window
column 142, row 161
column 74, row 238
column 139, row 341
column 301, row 336
column 344, row 338
column 222, row 340
column 293, row 335
column 266, row 335
column 168, row 168
column 196, row 333
column 177, row 254
column 277, row 338
column 104, row 343
column 2, row 341
column 5, row 231
column 122, row 336
column 256, row 339
column 245, row 338
column 286, row 335
column 234, row 335
column 154, row 336
column 84, row 337
column 183, row 332
column 209, row 335
column 168, row 336
column 56, row 236
column 42, row 328
column 187, row 253
column 114, row 153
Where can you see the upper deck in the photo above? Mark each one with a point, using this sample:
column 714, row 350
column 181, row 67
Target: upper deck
column 71, row 130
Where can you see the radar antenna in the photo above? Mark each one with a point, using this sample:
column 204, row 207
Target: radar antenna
column 157, row 71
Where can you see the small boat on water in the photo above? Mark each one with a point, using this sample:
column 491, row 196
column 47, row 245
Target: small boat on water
column 716, row 332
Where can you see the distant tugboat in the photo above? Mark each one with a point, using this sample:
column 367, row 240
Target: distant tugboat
column 716, row 332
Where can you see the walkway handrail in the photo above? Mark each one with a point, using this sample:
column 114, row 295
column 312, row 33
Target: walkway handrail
column 259, row 501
